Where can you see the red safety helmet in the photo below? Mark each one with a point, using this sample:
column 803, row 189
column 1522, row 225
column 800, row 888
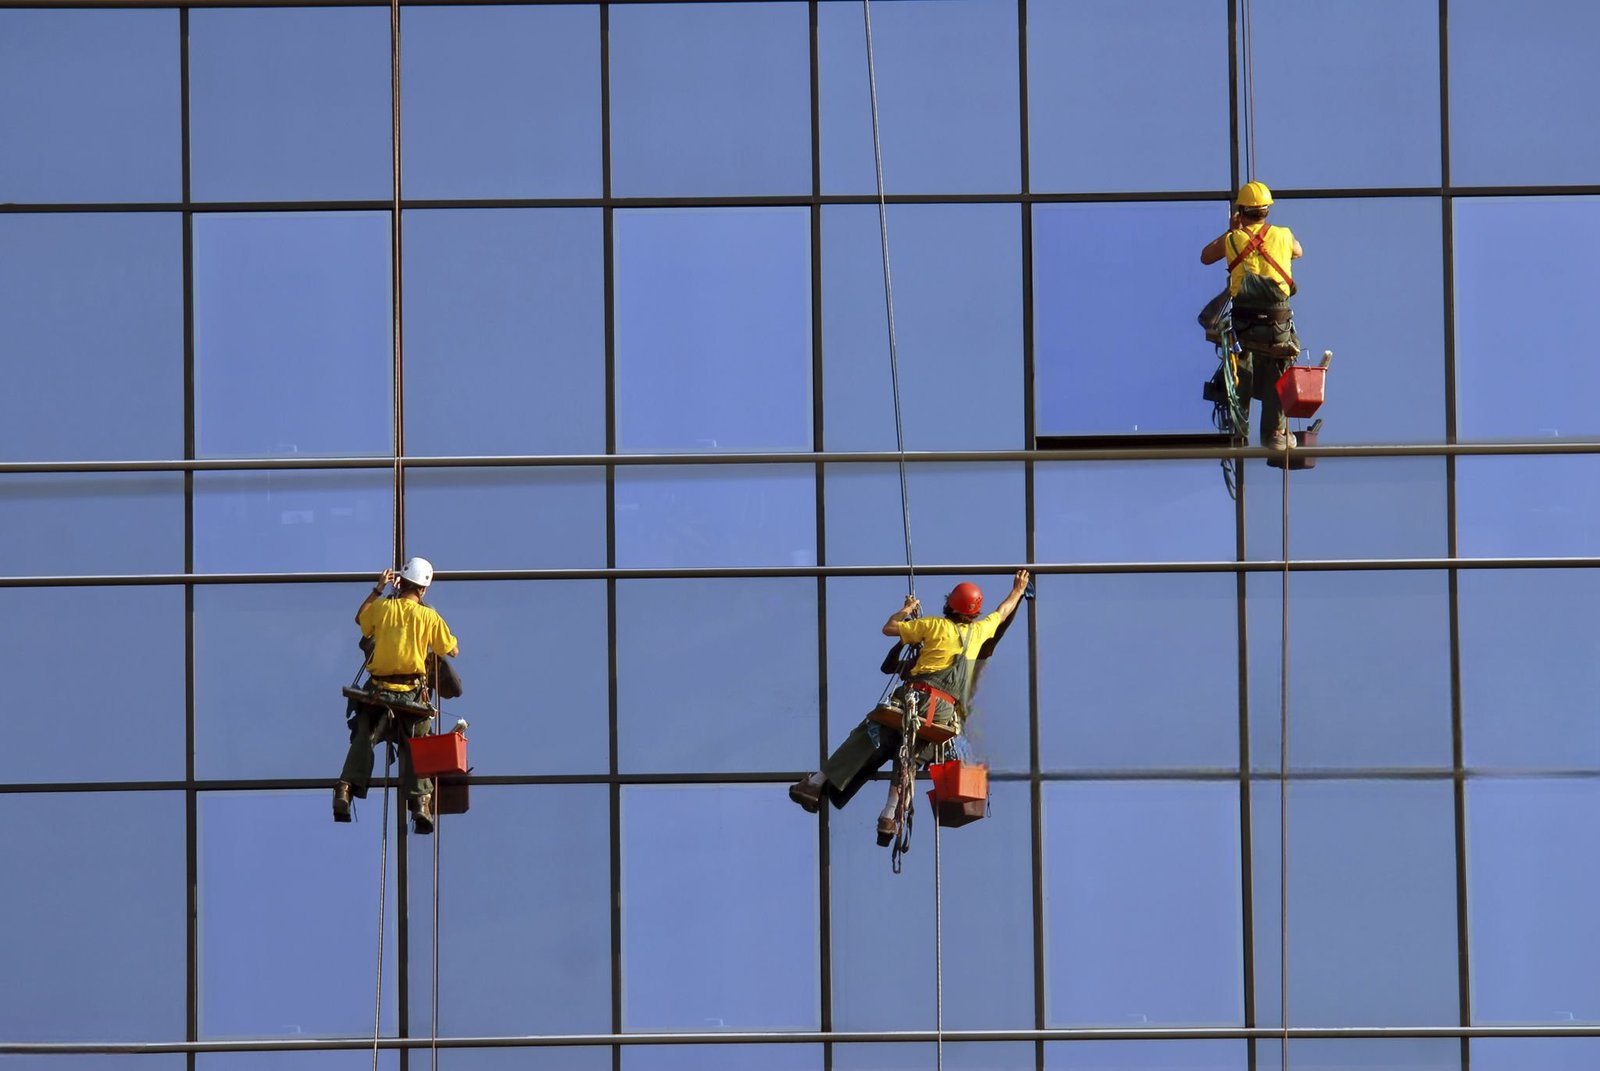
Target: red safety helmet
column 965, row 599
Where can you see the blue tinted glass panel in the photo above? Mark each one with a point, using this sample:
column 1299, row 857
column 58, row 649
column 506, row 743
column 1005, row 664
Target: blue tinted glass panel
column 1082, row 89
column 986, row 884
column 89, row 106
column 505, row 330
column 543, row 1058
column 1138, row 672
column 289, row 104
column 1534, row 1054
column 522, row 854
column 1348, row 508
column 716, row 516
column 723, row 1058
column 93, row 311
column 503, row 518
column 1533, row 872
column 1369, row 669
column 501, row 102
column 1522, row 80
column 534, row 665
column 89, row 525
column 1146, row 1056
column 169, row 1062
column 1364, row 1054
column 293, row 522
column 96, row 951
column 958, row 327
column 1371, row 880
column 288, row 919
column 388, row 1060
column 58, row 633
column 1527, row 506
column 710, row 99
column 1146, row 511
column 713, row 329
column 710, row 892
column 1497, row 329
column 1527, row 667
column 1109, row 357
column 959, row 514
column 1144, row 923
column 292, row 334
column 749, row 646
column 947, row 97
column 958, row 1056
column 1339, row 102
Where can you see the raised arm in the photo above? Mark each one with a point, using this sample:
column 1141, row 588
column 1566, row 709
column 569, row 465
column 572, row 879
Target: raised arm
column 891, row 627
column 376, row 593
column 1019, row 584
column 1217, row 248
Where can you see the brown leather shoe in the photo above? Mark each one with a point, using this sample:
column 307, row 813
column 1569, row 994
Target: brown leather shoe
column 885, row 831
column 341, row 801
column 806, row 794
column 422, row 814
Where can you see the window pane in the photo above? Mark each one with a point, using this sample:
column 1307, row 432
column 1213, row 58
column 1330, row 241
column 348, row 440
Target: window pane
column 1527, row 667
column 502, row 518
column 749, row 646
column 1519, row 129
column 947, row 97
column 1144, row 923
column 709, row 890
column 89, row 525
column 289, row 104
column 293, row 346
column 505, row 330
column 501, row 102
column 710, row 99
column 866, row 526
column 293, row 522
column 502, row 971
column 722, row 1058
column 1144, row 511
column 988, row 945
column 1142, row 672
column 1533, row 871
column 1340, row 104
column 132, row 634
column 958, row 1056
column 958, row 327
column 1360, row 1054
column 1349, row 508
column 89, row 106
column 289, row 916
column 541, row 1058
column 1534, row 1054
column 1369, row 669
column 388, row 1060
column 1082, row 89
column 724, row 516
column 1372, row 896
column 1146, row 1056
column 713, row 329
column 1526, row 506
column 92, row 305
column 99, row 954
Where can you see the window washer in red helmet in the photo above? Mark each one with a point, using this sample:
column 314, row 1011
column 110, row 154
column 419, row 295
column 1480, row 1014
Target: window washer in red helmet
column 943, row 672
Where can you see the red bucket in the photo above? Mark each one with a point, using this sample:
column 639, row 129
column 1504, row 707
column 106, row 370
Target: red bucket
column 445, row 753
column 1300, row 389
column 959, row 782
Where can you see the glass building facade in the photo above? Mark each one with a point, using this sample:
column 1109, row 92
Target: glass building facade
column 585, row 303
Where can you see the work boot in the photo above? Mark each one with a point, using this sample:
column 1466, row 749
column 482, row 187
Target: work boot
column 341, row 801
column 806, row 794
column 885, row 830
column 421, row 814
column 1280, row 440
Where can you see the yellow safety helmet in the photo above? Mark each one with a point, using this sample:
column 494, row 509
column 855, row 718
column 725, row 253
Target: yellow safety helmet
column 1254, row 195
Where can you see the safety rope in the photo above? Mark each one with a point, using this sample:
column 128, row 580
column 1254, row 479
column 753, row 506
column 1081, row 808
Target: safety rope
column 1247, row 32
column 383, row 878
column 397, row 413
column 434, row 1017
column 1283, row 777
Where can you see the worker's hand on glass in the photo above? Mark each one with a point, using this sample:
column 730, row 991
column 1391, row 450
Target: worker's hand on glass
column 1020, row 581
column 388, row 577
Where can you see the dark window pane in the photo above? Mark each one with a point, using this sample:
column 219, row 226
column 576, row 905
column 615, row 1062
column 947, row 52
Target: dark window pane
column 1142, row 672
column 1144, row 920
column 1369, row 669
column 716, row 516
column 502, row 518
column 1349, row 508
column 749, row 646
column 293, row 343
column 88, row 525
column 958, row 327
column 958, row 1056
column 713, row 329
column 710, row 99
column 65, row 730
column 505, row 330
column 1535, row 1054
column 299, row 521
column 1146, row 1056
column 1135, row 512
column 947, row 97
column 709, row 887
column 289, row 916
column 1082, row 89
column 89, row 106
column 501, row 102
column 722, row 1058
column 1371, row 881
column 959, row 514
column 287, row 104
column 1362, row 1054
column 92, row 308
column 96, row 949
column 1527, row 506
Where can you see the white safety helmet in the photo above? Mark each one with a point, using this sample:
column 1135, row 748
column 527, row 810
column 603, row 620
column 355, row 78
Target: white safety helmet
column 417, row 570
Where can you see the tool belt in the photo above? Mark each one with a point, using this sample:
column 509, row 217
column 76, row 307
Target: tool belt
column 410, row 680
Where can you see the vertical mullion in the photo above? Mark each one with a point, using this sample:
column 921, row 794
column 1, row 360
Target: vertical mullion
column 608, row 223
column 191, row 803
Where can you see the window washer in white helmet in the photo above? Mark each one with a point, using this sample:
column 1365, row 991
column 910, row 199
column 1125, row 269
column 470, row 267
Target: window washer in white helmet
column 403, row 632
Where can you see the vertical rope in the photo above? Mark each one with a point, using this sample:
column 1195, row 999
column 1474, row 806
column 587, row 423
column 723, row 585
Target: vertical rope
column 434, row 1017
column 1283, row 782
column 383, row 878
column 1249, row 71
column 397, row 413
column 938, row 951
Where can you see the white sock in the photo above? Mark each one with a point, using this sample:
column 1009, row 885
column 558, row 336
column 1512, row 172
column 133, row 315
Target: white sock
column 887, row 812
column 815, row 779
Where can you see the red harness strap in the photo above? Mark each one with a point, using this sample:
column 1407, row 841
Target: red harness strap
column 934, row 695
column 1255, row 245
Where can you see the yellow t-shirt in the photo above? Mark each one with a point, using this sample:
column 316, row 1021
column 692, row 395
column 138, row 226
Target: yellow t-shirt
column 941, row 639
column 402, row 633
column 1279, row 244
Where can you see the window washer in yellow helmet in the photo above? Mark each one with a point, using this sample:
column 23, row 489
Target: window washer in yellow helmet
column 1260, row 284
